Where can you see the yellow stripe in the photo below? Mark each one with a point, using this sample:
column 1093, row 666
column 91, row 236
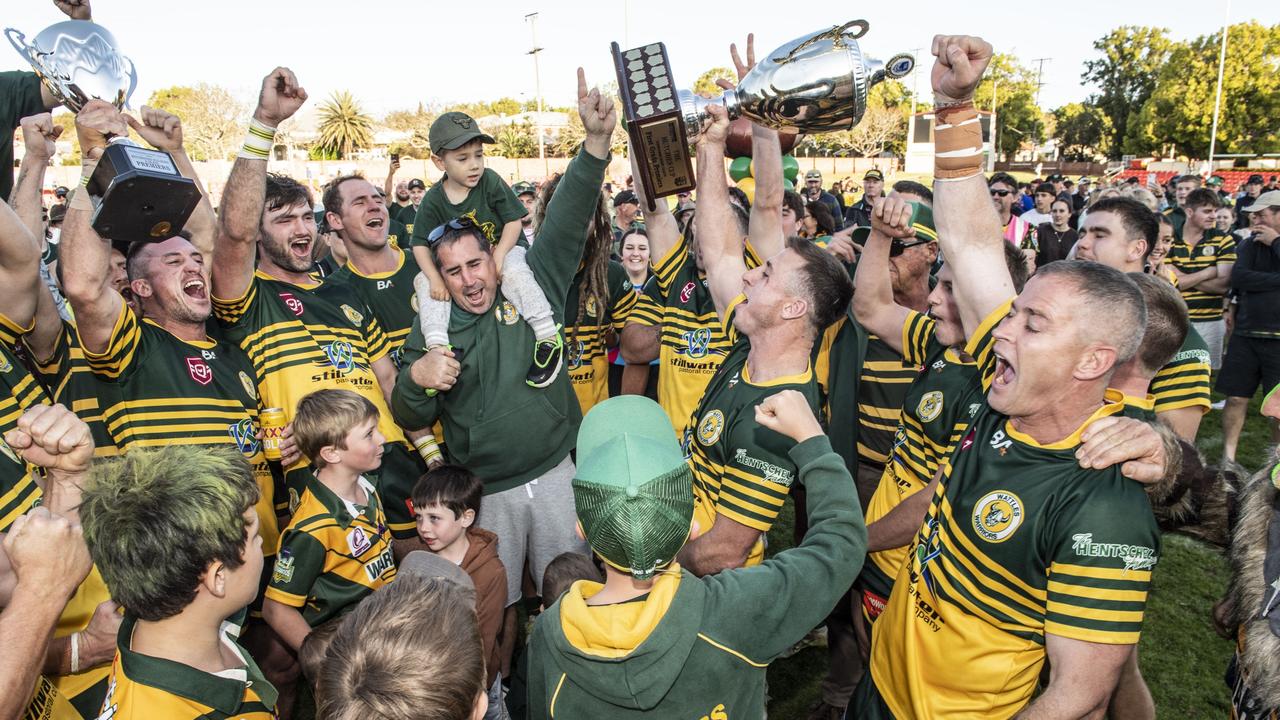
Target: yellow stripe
column 732, row 652
column 963, row 542
column 1136, row 576
column 556, row 694
column 1084, row 591
column 1088, row 613
column 285, row 598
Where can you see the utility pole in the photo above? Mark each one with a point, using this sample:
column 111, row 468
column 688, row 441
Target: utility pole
column 915, row 77
column 1035, row 149
column 532, row 19
column 1217, row 96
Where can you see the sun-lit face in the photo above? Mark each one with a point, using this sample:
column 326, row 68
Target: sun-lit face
column 363, row 452
column 288, row 238
column 402, row 192
column 1060, row 213
column 464, row 165
column 872, row 188
column 363, row 221
column 439, row 527
column 945, row 312
column 1164, row 241
column 1003, row 197
column 635, row 254
column 1223, row 219
column 529, row 200
column 1183, row 189
column 768, row 291
column 791, row 223
column 1201, row 217
column 1103, row 240
column 1267, row 217
column 469, row 273
column 174, row 284
column 1043, row 201
column 416, row 193
column 626, row 212
column 119, row 275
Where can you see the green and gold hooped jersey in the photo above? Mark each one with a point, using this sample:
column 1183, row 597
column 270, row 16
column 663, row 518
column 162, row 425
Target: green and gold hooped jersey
column 306, row 338
column 142, row 687
column 1215, row 248
column 693, row 344
column 18, row 489
column 741, row 470
column 195, row 392
column 1019, row 542
column 586, row 357
column 68, row 376
column 77, row 696
column 1184, row 381
column 333, row 554
column 939, row 406
column 882, row 390
column 390, row 296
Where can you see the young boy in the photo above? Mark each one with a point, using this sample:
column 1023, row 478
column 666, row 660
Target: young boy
column 445, row 503
column 655, row 640
column 175, row 535
column 471, row 195
column 337, row 548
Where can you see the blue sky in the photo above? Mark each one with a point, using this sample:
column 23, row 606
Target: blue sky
column 392, row 55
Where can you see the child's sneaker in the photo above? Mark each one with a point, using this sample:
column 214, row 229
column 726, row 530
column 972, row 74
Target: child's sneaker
column 548, row 358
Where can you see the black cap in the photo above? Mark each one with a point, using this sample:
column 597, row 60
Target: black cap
column 626, row 196
column 416, row 184
column 61, row 191
column 1046, row 188
column 57, row 213
column 1254, row 180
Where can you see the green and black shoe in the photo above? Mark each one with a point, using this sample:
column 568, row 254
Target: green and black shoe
column 548, row 358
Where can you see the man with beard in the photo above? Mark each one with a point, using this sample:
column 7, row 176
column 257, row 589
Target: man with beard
column 1004, row 192
column 859, row 214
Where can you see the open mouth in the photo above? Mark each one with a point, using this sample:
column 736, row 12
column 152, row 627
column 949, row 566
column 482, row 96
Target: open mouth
column 1004, row 372
column 301, row 247
column 376, row 223
column 474, row 296
column 195, row 289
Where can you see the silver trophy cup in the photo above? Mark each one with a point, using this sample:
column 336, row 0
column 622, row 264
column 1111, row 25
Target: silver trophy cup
column 138, row 193
column 813, row 84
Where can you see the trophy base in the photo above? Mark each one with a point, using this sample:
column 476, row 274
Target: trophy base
column 654, row 121
column 141, row 195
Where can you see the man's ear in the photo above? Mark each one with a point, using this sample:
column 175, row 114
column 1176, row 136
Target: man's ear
column 481, row 705
column 437, row 161
column 141, row 288
column 335, row 220
column 794, row 308
column 1094, row 362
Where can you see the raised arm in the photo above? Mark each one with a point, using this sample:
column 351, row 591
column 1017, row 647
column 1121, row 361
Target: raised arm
column 873, row 304
column 163, row 131
column 38, row 134
column 245, row 193
column 389, row 185
column 660, row 225
column 719, row 237
column 86, row 256
column 766, row 161
column 19, row 268
column 968, row 226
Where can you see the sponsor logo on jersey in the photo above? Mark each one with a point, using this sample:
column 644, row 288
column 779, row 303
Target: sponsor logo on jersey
column 939, row 365
column 375, row 567
column 928, row 549
column 208, row 355
column 1134, row 557
column 697, row 343
column 5, row 365
column 340, row 355
column 930, row 406
column 710, row 428
column 974, row 408
column 1200, row 356
column 356, row 318
column 283, row 571
column 245, row 435
column 686, row 292
column 574, row 352
column 506, row 313
column 734, row 380
column 997, row 516
column 358, row 541
column 248, row 385
column 775, row 474
column 293, row 303
column 199, row 370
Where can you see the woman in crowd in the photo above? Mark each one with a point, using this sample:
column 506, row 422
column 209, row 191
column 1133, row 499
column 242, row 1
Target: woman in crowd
column 1156, row 260
column 634, row 250
column 818, row 223
column 1056, row 237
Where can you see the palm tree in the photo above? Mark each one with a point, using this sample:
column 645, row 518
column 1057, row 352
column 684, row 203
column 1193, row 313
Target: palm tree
column 344, row 127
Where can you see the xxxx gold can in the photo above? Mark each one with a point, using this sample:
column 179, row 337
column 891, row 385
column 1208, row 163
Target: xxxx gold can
column 272, row 421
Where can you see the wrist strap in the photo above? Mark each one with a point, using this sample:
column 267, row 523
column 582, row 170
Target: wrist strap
column 75, row 652
column 428, row 448
column 258, row 141
column 957, row 137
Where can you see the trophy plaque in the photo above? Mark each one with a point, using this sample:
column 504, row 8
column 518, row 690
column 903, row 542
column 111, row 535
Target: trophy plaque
column 138, row 193
column 813, row 84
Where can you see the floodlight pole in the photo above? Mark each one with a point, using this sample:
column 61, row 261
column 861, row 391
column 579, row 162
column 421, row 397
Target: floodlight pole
column 532, row 19
column 1217, row 97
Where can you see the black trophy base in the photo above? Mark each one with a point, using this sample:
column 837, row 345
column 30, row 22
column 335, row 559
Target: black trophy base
column 141, row 195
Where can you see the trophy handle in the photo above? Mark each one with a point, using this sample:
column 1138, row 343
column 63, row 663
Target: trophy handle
column 133, row 80
column 19, row 44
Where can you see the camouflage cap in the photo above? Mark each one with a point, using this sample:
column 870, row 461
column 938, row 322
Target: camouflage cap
column 524, row 187
column 452, row 130
column 633, row 490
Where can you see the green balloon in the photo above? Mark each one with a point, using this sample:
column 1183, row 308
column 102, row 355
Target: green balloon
column 788, row 185
column 790, row 168
column 740, row 168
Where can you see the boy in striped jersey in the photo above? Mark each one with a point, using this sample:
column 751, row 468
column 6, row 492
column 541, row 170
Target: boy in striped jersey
column 191, row 509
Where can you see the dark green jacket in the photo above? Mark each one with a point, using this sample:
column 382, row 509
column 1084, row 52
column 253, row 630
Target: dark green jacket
column 504, row 431
column 706, row 657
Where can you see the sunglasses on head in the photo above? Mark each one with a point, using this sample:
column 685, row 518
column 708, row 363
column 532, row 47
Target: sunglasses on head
column 897, row 247
column 1001, row 193
column 462, row 223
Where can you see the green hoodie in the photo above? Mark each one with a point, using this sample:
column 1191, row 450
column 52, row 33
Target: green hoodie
column 699, row 647
column 496, row 425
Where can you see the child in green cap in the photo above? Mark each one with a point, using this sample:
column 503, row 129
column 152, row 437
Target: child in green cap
column 655, row 640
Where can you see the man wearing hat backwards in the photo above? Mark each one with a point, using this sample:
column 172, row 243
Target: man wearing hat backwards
column 859, row 214
column 813, row 191
column 656, row 640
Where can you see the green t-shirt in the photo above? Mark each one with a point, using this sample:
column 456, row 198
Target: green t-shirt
column 491, row 204
column 389, row 296
column 19, row 98
column 403, row 214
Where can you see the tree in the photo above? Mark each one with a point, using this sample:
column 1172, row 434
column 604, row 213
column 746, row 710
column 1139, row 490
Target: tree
column 1083, row 131
column 344, row 127
column 1132, row 57
column 1180, row 109
column 418, row 124
column 706, row 83
column 517, row 140
column 883, row 126
column 1013, row 87
column 212, row 118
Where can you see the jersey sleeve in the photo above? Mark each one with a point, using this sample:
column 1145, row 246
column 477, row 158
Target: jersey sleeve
column 1102, row 550
column 1226, row 250
column 623, row 297
column 376, row 343
column 647, row 310
column 1184, row 382
column 232, row 312
column 917, row 338
column 668, row 266
column 757, row 475
column 123, row 348
column 298, row 564
column 730, row 331
column 982, row 343
column 502, row 200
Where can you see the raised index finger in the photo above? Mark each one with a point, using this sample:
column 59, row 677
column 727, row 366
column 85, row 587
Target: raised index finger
column 582, row 85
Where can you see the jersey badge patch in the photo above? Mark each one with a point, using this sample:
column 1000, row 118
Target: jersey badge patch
column 5, row 365
column 358, row 541
column 506, row 312
column 686, row 292
column 248, row 385
column 930, row 406
column 997, row 516
column 574, row 352
column 283, row 572
column 697, row 343
column 245, row 435
column 356, row 318
column 199, row 370
column 293, row 303
column 710, row 428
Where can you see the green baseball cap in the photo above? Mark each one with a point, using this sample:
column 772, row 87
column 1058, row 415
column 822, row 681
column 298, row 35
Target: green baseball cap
column 524, row 187
column 633, row 490
column 452, row 130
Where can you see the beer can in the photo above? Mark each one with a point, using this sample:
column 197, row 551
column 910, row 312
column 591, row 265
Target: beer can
column 272, row 421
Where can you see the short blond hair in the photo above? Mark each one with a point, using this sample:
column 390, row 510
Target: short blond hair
column 411, row 650
column 325, row 417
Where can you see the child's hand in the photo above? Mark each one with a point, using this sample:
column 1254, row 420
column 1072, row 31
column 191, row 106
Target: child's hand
column 499, row 256
column 788, row 413
column 439, row 293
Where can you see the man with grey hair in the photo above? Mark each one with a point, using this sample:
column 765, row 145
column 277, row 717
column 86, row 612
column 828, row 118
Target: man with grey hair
column 1005, row 570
